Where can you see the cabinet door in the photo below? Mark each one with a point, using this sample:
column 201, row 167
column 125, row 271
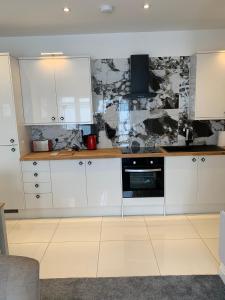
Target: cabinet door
column 180, row 182
column 104, row 186
column 210, row 79
column 38, row 89
column 11, row 184
column 68, row 183
column 73, row 87
column 8, row 128
column 211, row 176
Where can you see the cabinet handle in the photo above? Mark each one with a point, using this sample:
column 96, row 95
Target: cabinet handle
column 81, row 163
column 203, row 159
column 13, row 149
column 194, row 160
column 35, row 174
column 38, row 196
column 12, row 141
column 53, row 118
column 34, row 163
column 89, row 163
column 37, row 185
column 61, row 118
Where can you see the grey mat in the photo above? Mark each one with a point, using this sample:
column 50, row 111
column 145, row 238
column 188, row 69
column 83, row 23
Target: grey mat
column 132, row 288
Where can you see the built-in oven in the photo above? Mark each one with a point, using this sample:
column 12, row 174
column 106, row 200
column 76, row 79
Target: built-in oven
column 143, row 177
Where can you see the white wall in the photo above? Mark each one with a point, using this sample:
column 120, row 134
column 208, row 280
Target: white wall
column 118, row 44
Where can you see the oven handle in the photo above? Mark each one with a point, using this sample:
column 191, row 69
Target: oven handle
column 142, row 170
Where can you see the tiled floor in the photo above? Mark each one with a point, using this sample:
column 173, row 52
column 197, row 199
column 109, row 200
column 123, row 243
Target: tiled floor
column 114, row 246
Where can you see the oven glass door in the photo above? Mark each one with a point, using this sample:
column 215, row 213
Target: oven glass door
column 143, row 182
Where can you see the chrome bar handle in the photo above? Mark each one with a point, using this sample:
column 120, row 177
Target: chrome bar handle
column 142, row 170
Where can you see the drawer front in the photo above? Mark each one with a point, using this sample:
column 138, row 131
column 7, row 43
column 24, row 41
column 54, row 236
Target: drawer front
column 38, row 201
column 34, row 187
column 36, row 176
column 37, row 165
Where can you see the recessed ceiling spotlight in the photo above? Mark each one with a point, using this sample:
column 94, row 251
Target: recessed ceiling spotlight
column 66, row 9
column 106, row 8
column 146, row 6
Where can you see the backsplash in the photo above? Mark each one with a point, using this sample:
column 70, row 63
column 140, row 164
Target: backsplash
column 159, row 119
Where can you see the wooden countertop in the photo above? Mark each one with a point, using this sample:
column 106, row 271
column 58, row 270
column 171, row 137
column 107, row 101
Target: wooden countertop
column 108, row 153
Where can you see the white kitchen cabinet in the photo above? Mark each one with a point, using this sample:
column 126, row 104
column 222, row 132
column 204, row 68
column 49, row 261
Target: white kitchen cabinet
column 38, row 201
column 180, row 182
column 68, row 183
column 11, row 184
column 73, row 88
column 56, row 90
column 104, row 186
column 8, row 128
column 194, row 184
column 38, row 89
column 211, row 180
column 207, row 81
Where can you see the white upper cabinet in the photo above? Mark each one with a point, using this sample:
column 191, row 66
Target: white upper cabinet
column 56, row 90
column 207, row 86
column 38, row 88
column 8, row 128
column 73, row 88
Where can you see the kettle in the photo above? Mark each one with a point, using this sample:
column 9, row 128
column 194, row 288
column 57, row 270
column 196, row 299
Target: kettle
column 91, row 142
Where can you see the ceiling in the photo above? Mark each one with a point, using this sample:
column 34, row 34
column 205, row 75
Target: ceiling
column 46, row 17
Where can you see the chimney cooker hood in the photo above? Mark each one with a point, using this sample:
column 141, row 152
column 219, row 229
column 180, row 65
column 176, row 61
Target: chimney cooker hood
column 139, row 76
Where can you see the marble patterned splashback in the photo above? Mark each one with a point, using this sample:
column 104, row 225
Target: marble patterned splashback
column 159, row 119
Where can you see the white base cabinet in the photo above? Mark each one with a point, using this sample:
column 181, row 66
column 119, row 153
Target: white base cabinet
column 68, row 183
column 104, row 187
column 194, row 184
column 11, row 183
column 86, row 183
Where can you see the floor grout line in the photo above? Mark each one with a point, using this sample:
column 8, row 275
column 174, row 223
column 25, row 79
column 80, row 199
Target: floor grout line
column 50, row 241
column 99, row 246
column 150, row 240
column 210, row 251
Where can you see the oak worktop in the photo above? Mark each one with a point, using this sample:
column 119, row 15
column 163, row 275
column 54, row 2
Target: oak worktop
column 108, row 153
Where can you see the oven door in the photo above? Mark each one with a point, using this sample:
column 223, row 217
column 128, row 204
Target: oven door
column 143, row 182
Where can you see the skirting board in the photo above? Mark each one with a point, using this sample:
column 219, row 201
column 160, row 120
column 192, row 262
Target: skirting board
column 222, row 272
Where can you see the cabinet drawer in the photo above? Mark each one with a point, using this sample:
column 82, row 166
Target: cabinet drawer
column 36, row 165
column 32, row 187
column 38, row 200
column 36, row 176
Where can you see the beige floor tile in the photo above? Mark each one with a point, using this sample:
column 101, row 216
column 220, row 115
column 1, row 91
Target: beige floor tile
column 213, row 245
column 172, row 227
column 173, row 232
column 10, row 224
column 33, row 250
column 124, row 229
column 33, row 231
column 184, row 257
column 127, row 258
column 83, row 229
column 166, row 220
column 124, row 219
column 203, row 216
column 206, row 226
column 73, row 259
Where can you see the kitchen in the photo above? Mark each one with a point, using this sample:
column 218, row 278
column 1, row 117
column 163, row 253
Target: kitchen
column 112, row 155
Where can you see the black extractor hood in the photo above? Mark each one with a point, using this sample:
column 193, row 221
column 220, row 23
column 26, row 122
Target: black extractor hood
column 139, row 76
